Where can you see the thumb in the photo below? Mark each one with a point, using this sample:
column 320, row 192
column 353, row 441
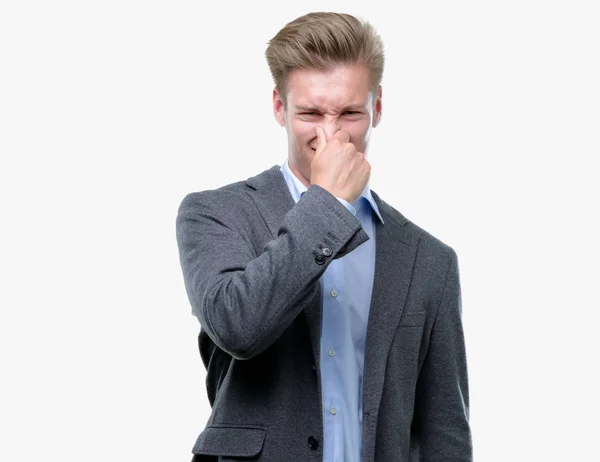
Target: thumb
column 321, row 140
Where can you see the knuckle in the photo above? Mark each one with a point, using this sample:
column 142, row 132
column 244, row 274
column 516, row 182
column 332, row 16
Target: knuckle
column 349, row 147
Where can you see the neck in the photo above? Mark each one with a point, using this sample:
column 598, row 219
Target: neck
column 298, row 174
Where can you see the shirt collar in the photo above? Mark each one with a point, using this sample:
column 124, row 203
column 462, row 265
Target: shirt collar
column 297, row 188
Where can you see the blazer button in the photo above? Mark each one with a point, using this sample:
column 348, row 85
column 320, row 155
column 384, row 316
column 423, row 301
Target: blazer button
column 326, row 251
column 313, row 443
column 320, row 259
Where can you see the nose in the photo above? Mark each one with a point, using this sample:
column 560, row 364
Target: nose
column 330, row 126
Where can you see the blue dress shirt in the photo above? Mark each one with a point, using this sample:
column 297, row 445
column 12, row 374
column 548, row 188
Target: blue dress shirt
column 346, row 286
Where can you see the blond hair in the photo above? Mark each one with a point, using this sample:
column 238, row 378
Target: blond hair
column 322, row 41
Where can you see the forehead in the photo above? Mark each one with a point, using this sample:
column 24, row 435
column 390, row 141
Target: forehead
column 343, row 85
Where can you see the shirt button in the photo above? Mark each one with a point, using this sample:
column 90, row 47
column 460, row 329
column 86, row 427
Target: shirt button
column 313, row 443
column 332, row 352
column 334, row 293
column 326, row 251
column 320, row 259
column 333, row 411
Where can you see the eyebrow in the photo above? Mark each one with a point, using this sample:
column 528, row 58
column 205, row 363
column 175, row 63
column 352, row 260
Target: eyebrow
column 352, row 107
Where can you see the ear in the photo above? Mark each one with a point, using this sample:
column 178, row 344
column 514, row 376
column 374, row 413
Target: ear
column 278, row 108
column 378, row 108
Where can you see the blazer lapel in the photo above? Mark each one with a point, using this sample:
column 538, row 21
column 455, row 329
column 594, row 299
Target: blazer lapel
column 272, row 197
column 395, row 254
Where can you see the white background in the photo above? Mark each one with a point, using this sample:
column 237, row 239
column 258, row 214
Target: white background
column 112, row 111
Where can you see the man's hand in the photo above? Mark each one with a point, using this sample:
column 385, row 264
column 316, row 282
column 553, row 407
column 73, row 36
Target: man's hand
column 338, row 167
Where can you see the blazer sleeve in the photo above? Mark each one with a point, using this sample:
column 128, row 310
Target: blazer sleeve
column 441, row 418
column 243, row 301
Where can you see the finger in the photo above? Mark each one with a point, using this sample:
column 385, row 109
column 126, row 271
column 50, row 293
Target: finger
column 321, row 140
column 342, row 135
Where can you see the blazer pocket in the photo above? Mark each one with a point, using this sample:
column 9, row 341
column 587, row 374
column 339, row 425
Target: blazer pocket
column 230, row 440
column 413, row 319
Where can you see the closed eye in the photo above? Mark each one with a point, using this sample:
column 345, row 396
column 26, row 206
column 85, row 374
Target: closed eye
column 311, row 114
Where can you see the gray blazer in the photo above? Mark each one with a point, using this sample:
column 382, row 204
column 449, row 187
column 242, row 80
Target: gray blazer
column 251, row 261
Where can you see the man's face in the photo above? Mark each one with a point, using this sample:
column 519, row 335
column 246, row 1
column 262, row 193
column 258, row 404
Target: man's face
column 341, row 99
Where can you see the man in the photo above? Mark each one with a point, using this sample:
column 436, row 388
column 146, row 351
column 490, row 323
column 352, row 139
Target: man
column 330, row 324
